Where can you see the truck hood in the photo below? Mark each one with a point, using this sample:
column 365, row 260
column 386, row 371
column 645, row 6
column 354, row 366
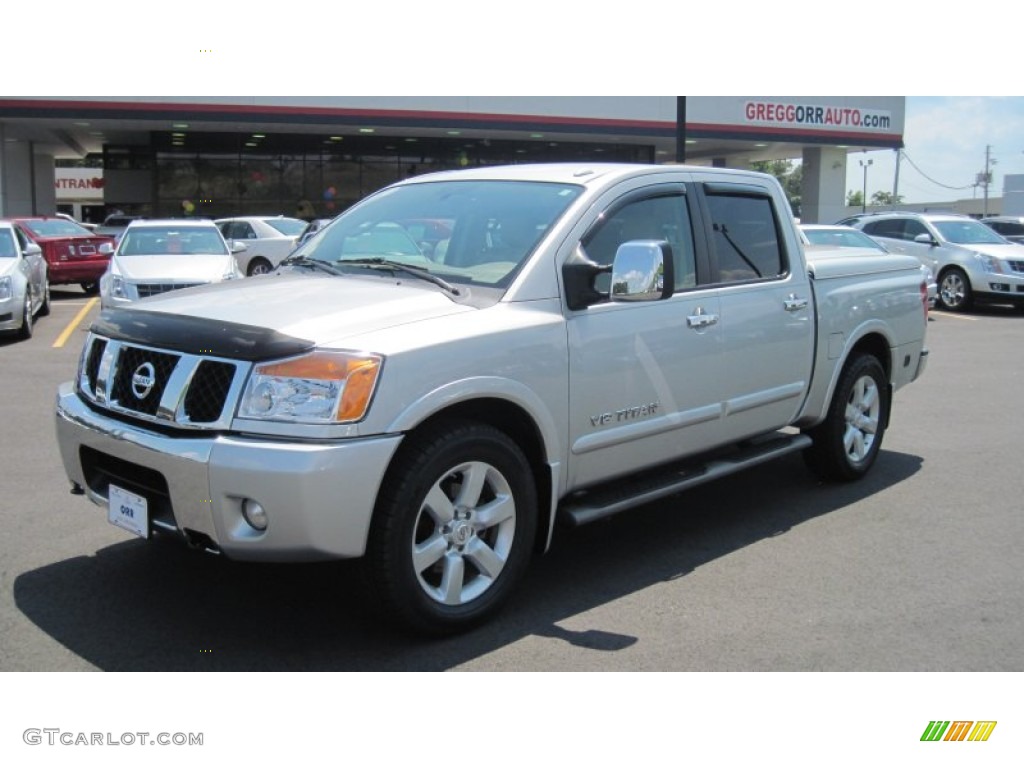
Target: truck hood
column 194, row 268
column 320, row 308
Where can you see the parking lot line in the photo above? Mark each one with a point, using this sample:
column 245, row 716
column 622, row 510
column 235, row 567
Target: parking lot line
column 958, row 317
column 74, row 323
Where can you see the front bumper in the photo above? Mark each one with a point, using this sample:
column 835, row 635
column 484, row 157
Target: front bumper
column 319, row 496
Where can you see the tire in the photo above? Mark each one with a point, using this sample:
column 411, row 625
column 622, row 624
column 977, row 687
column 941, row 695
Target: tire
column 847, row 442
column 954, row 290
column 259, row 266
column 453, row 528
column 25, row 332
column 90, row 288
column 45, row 309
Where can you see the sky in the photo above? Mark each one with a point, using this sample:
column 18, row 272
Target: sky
column 452, row 47
column 945, row 138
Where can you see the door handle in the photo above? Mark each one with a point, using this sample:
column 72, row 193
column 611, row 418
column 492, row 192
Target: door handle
column 795, row 303
column 701, row 319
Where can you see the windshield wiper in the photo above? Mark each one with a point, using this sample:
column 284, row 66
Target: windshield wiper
column 378, row 262
column 728, row 238
column 305, row 261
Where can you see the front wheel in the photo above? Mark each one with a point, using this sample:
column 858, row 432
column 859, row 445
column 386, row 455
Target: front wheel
column 954, row 290
column 453, row 529
column 847, row 442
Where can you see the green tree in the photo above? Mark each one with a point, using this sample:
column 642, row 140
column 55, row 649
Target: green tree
column 789, row 176
column 855, row 199
column 886, row 198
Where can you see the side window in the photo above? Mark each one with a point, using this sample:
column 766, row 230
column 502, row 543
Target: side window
column 885, row 228
column 22, row 239
column 654, row 218
column 745, row 237
column 913, row 228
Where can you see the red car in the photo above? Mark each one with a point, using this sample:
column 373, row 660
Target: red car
column 71, row 251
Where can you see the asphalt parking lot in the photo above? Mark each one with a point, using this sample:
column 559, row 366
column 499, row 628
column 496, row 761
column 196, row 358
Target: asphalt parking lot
column 917, row 568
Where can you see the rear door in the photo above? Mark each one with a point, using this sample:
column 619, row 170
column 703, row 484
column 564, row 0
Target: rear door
column 767, row 324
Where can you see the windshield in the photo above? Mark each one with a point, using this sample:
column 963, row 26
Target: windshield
column 478, row 232
column 7, row 249
column 161, row 241
column 289, row 227
column 967, row 232
column 842, row 238
column 55, row 228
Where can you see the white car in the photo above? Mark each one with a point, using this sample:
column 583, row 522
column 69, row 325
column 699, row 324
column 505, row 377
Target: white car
column 24, row 287
column 160, row 255
column 842, row 236
column 267, row 239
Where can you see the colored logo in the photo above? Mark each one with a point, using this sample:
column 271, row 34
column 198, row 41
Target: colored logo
column 959, row 730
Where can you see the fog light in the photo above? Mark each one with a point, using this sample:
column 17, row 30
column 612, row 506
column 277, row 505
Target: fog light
column 254, row 514
column 1002, row 287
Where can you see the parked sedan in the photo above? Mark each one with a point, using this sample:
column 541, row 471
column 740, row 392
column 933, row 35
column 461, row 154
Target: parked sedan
column 155, row 256
column 267, row 239
column 841, row 236
column 73, row 253
column 24, row 287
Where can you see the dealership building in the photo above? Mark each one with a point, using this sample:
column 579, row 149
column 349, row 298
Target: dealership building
column 314, row 156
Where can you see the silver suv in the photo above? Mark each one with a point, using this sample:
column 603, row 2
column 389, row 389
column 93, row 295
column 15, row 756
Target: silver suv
column 972, row 263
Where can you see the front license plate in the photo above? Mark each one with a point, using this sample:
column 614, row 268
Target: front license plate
column 128, row 511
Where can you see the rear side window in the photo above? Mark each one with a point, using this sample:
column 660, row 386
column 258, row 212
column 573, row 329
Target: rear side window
column 886, row 228
column 1006, row 227
column 745, row 237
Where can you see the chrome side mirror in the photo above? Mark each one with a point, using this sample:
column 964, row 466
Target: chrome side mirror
column 643, row 270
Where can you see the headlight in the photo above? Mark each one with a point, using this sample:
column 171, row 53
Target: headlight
column 117, row 287
column 6, row 288
column 989, row 263
column 318, row 388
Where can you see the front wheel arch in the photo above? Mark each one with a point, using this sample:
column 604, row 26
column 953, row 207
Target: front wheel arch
column 453, row 527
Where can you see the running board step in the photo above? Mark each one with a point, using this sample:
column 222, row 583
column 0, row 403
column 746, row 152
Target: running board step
column 602, row 501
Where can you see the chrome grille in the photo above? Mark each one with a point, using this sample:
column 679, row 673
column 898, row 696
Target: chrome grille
column 154, row 289
column 208, row 391
column 161, row 386
column 131, row 362
column 92, row 363
column 1016, row 266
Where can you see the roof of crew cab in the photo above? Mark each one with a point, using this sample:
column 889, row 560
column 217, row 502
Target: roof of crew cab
column 562, row 173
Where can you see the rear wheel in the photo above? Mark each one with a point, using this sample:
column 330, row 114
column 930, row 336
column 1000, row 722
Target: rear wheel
column 259, row 266
column 847, row 442
column 90, row 287
column 954, row 290
column 453, row 529
column 45, row 309
column 25, row 332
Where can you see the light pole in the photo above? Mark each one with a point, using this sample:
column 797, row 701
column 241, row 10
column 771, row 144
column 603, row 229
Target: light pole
column 864, row 193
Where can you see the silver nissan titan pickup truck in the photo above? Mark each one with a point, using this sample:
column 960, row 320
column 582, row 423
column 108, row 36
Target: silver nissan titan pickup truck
column 465, row 358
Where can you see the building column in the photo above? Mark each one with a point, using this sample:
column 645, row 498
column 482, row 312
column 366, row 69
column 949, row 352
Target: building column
column 27, row 186
column 823, row 191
